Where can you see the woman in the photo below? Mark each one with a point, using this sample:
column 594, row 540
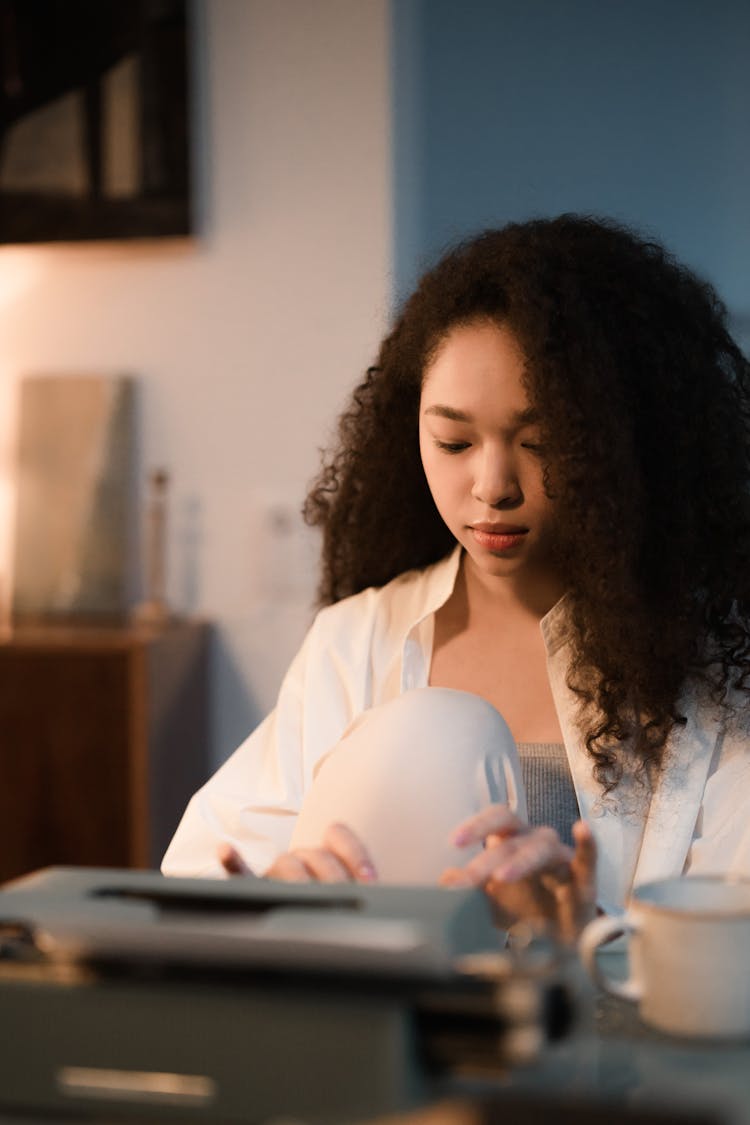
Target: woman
column 540, row 494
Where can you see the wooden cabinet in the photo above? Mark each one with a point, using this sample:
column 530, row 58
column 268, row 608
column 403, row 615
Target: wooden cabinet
column 103, row 738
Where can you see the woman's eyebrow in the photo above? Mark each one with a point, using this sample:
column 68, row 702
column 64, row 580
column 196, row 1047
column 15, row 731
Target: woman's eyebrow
column 449, row 412
column 527, row 417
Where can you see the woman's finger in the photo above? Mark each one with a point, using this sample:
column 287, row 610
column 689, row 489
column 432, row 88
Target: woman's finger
column 575, row 899
column 495, row 820
column 323, row 865
column 341, row 858
column 231, row 860
column 584, row 860
column 519, row 857
column 349, row 849
column 455, row 877
column 538, row 852
column 289, row 868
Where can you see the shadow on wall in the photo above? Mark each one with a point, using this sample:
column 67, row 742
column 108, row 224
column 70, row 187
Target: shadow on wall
column 234, row 710
column 189, row 544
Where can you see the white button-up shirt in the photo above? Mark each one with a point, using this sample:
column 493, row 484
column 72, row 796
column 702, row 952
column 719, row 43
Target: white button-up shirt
column 367, row 649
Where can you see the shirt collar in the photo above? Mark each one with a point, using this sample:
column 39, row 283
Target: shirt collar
column 554, row 624
column 441, row 586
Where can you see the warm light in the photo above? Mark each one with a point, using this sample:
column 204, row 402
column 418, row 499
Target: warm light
column 17, row 272
column 8, row 428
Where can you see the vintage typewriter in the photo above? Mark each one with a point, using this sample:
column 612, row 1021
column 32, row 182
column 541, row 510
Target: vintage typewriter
column 127, row 993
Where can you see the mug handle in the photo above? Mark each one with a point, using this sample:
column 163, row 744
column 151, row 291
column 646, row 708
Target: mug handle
column 594, row 935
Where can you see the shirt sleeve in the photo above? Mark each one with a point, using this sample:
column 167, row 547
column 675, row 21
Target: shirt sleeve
column 252, row 800
column 349, row 661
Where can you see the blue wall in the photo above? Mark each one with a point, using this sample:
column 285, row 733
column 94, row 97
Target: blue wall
column 639, row 109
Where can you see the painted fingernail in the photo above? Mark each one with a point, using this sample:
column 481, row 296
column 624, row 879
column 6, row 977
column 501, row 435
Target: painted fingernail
column 367, row 873
column 463, row 836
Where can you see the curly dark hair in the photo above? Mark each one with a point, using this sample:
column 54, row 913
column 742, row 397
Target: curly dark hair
column 644, row 403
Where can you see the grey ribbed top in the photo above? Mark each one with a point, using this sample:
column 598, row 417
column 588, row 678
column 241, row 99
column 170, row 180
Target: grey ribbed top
column 550, row 794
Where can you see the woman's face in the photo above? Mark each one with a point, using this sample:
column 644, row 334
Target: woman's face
column 481, row 452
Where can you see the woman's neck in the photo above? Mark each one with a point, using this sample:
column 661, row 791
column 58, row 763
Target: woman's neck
column 487, row 641
column 532, row 592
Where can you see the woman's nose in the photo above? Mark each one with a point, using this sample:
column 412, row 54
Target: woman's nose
column 496, row 481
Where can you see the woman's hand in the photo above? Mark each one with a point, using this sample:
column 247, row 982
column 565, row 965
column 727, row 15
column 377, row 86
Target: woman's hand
column 341, row 858
column 529, row 873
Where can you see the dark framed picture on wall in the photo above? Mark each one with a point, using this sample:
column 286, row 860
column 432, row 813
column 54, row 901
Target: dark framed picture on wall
column 94, row 119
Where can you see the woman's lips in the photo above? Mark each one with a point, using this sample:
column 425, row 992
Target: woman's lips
column 498, row 537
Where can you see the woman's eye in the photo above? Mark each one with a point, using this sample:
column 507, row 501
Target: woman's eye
column 533, row 446
column 452, row 446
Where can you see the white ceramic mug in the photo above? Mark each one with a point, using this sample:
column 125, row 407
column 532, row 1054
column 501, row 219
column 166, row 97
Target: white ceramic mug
column 406, row 773
column 688, row 954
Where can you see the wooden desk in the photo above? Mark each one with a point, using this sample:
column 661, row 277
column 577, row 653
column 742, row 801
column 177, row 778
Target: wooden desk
column 103, row 738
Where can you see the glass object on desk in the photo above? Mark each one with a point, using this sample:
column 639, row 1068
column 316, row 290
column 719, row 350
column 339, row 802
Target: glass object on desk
column 154, row 609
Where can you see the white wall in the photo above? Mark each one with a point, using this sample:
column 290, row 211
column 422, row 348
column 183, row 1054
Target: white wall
column 247, row 337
